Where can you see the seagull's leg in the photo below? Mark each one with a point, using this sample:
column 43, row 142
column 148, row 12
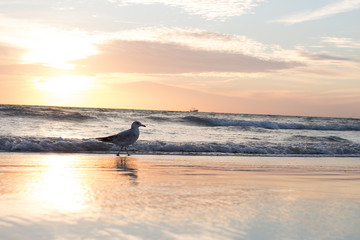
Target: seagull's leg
column 119, row 151
column 127, row 151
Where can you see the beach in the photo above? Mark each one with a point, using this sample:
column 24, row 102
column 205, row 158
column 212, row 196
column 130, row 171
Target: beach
column 101, row 196
column 179, row 120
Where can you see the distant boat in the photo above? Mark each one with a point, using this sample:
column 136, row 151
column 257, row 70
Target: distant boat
column 194, row 109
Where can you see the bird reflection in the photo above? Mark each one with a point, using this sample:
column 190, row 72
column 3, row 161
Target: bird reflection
column 126, row 168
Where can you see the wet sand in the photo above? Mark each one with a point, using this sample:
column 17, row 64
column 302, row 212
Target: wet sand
column 98, row 196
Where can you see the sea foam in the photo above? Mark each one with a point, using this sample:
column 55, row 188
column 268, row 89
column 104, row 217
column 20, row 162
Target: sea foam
column 68, row 145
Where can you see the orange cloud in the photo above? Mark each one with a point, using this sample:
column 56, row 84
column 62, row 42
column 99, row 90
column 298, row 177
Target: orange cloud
column 153, row 57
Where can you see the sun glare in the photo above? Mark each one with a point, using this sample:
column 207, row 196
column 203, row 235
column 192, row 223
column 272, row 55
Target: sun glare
column 64, row 90
column 56, row 48
column 65, row 84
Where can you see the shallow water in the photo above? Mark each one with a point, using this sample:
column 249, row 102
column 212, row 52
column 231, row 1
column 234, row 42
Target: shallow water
column 98, row 196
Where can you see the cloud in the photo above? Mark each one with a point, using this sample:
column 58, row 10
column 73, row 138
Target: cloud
column 208, row 9
column 45, row 44
column 9, row 53
column 322, row 56
column 326, row 11
column 154, row 57
column 342, row 42
column 199, row 39
column 156, row 50
column 143, row 50
column 10, row 65
column 12, row 68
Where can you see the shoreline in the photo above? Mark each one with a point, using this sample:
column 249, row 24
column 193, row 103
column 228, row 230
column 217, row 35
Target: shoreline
column 102, row 196
column 200, row 154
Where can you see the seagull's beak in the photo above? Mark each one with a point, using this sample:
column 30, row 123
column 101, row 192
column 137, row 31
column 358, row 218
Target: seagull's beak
column 142, row 125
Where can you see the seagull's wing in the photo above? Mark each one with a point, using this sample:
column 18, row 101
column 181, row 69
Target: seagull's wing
column 124, row 136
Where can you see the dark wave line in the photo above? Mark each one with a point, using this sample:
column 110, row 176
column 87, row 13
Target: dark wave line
column 48, row 113
column 216, row 122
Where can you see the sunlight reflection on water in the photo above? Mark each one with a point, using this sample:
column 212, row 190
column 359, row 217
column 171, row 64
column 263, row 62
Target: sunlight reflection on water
column 74, row 196
column 59, row 186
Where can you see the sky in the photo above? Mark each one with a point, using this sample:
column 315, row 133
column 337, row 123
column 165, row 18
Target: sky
column 238, row 56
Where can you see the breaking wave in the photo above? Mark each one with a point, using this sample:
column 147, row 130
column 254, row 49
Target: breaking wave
column 70, row 145
column 48, row 113
column 215, row 122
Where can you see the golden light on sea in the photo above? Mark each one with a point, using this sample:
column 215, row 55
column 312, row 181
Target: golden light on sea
column 59, row 187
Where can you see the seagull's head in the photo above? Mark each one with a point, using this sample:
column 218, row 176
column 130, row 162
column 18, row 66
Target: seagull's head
column 137, row 124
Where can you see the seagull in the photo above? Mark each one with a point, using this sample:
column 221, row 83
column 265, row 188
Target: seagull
column 125, row 138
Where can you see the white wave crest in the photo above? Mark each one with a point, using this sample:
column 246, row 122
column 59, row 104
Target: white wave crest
column 36, row 144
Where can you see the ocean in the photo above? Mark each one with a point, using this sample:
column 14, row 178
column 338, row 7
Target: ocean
column 194, row 175
column 73, row 130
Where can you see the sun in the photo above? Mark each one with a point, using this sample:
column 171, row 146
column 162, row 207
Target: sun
column 57, row 49
column 64, row 90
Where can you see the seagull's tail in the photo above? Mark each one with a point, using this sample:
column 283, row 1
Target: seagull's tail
column 105, row 139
